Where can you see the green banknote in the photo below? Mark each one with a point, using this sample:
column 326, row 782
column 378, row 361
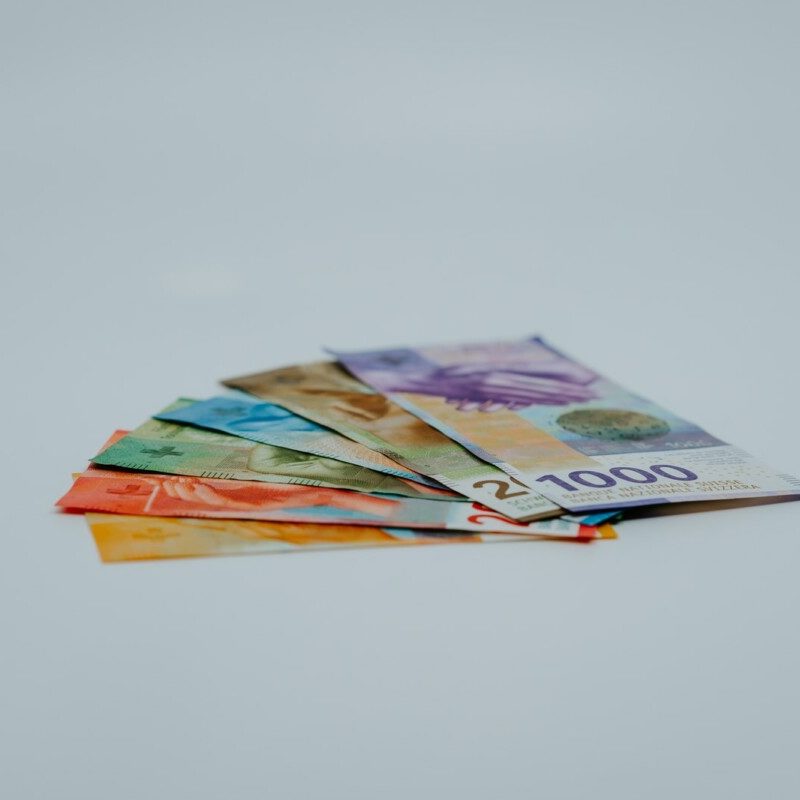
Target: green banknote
column 325, row 393
column 167, row 447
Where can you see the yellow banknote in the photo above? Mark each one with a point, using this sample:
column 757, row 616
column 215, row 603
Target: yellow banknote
column 124, row 537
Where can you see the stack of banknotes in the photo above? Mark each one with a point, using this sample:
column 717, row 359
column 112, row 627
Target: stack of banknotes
column 492, row 442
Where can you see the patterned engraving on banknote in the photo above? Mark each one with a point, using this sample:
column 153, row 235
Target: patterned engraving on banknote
column 508, row 382
column 613, row 424
column 167, row 450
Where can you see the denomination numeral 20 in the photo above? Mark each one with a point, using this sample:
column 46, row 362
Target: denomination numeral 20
column 502, row 492
column 602, row 480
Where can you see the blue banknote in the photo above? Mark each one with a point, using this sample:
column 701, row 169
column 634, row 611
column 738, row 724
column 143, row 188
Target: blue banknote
column 268, row 423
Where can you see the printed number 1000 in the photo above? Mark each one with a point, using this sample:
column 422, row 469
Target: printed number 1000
column 602, row 480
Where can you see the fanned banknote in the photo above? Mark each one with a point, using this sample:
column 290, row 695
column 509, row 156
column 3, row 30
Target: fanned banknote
column 171, row 496
column 325, row 393
column 272, row 424
column 583, row 441
column 185, row 450
column 120, row 537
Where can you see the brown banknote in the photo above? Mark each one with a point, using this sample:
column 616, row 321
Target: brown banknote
column 323, row 392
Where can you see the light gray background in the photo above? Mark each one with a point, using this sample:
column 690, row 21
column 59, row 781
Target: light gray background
column 193, row 190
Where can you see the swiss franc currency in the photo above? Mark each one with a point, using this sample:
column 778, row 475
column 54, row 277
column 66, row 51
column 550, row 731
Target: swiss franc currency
column 272, row 424
column 324, row 392
column 120, row 537
column 184, row 450
column 550, row 422
column 164, row 495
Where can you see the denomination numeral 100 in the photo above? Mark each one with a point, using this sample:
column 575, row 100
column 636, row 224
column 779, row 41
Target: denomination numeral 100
column 602, row 480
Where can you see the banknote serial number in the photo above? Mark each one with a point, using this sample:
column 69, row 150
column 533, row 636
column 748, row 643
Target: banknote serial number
column 605, row 480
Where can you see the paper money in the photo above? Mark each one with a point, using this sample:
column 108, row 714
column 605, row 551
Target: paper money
column 184, row 450
column 581, row 440
column 120, row 537
column 325, row 393
column 272, row 424
column 163, row 495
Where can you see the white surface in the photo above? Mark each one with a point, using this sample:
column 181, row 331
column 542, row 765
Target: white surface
column 192, row 191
